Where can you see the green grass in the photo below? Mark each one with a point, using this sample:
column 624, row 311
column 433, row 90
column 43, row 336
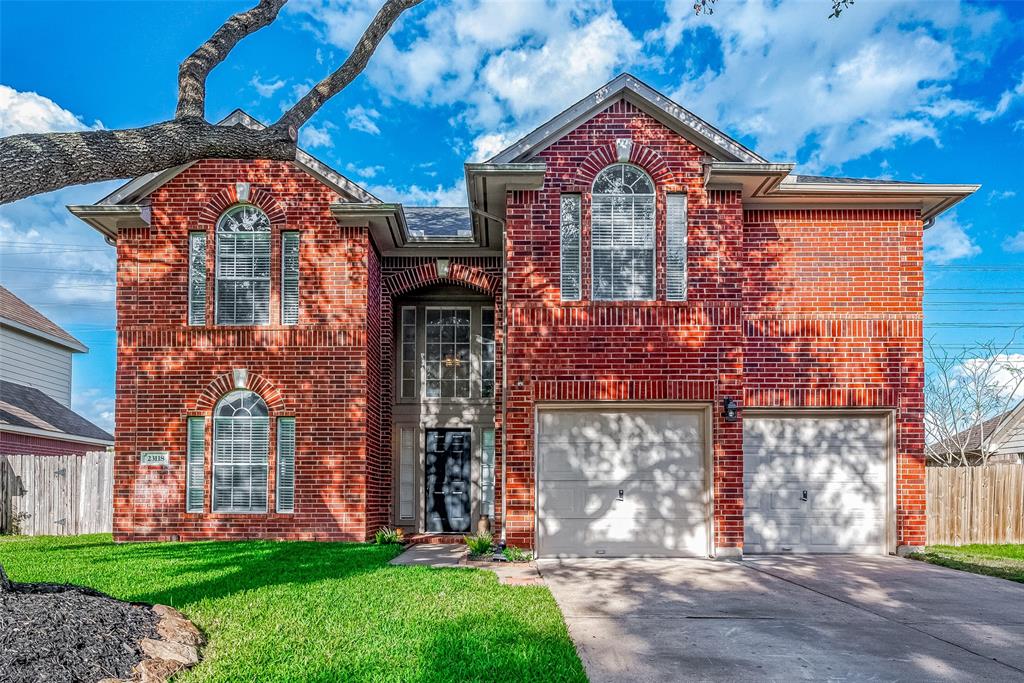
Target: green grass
column 1003, row 561
column 320, row 611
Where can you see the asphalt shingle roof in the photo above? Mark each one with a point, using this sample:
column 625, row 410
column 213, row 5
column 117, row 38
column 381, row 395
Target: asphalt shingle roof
column 438, row 221
column 970, row 437
column 16, row 310
column 22, row 406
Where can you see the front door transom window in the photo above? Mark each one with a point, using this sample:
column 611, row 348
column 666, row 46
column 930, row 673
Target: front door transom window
column 447, row 359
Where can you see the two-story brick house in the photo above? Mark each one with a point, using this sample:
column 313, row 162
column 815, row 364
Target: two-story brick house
column 639, row 338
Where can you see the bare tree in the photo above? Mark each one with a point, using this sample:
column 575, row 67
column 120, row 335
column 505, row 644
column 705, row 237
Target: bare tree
column 963, row 390
column 708, row 7
column 33, row 163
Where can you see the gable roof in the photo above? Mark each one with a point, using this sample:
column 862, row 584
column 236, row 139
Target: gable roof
column 987, row 435
column 17, row 314
column 632, row 89
column 29, row 411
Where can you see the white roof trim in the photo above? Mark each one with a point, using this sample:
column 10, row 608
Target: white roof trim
column 627, row 86
column 75, row 346
column 136, row 189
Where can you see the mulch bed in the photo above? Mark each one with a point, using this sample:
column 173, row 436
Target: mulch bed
column 57, row 632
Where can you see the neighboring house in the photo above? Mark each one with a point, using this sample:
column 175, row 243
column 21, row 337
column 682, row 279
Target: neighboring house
column 35, row 386
column 1000, row 438
column 640, row 338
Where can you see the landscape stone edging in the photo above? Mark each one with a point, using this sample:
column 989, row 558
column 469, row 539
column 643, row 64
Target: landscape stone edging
column 175, row 650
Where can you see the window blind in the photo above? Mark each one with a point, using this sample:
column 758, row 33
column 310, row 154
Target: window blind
column 197, row 278
column 675, row 237
column 570, row 247
column 286, row 464
column 243, row 267
column 289, row 278
column 622, row 234
column 195, row 465
column 240, row 446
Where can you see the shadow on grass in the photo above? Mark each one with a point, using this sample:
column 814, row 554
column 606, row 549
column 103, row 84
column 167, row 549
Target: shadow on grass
column 1011, row 570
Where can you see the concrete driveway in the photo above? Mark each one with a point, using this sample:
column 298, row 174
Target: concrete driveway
column 783, row 618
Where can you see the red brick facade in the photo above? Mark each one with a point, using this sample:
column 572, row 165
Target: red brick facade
column 808, row 308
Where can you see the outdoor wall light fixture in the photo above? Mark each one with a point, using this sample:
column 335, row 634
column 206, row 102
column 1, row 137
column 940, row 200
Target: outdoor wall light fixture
column 442, row 267
column 730, row 410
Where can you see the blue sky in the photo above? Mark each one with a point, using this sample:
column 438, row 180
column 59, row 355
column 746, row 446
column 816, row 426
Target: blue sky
column 930, row 91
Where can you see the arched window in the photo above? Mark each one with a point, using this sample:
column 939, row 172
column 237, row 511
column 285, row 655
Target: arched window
column 243, row 267
column 241, row 426
column 622, row 234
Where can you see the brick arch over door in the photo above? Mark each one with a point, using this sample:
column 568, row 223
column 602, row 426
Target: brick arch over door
column 225, row 383
column 227, row 197
column 639, row 155
column 425, row 275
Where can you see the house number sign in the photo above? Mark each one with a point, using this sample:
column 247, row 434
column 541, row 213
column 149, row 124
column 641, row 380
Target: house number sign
column 154, row 458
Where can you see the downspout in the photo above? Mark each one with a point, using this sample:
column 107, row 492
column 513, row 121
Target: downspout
column 504, row 358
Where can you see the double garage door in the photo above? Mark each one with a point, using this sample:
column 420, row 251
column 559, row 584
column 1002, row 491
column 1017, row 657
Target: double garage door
column 629, row 482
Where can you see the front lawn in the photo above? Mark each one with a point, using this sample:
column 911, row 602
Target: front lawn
column 1004, row 561
column 319, row 611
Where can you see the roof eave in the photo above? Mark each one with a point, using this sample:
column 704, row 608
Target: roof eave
column 50, row 434
column 109, row 219
column 73, row 345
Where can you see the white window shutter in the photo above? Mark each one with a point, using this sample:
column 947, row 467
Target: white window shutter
column 569, row 230
column 197, row 278
column 487, row 473
column 675, row 237
column 286, row 464
column 289, row 278
column 195, row 465
column 406, row 472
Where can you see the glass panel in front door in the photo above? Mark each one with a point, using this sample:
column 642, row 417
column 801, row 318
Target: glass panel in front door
column 448, row 478
column 447, row 353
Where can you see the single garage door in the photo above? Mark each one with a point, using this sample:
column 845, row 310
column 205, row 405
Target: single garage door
column 815, row 483
column 618, row 483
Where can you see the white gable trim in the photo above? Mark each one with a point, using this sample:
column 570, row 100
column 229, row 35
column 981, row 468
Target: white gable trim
column 647, row 99
column 134, row 190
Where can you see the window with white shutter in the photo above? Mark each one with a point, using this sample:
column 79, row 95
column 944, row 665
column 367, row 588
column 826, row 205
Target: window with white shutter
column 675, row 242
column 487, row 474
column 406, row 472
column 286, row 464
column 243, row 267
column 622, row 235
column 195, row 465
column 409, row 378
column 241, row 431
column 289, row 278
column 197, row 278
column 570, row 247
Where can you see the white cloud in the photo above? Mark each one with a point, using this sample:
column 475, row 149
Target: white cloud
column 363, row 119
column 948, row 240
column 363, row 171
column 1014, row 243
column 95, row 406
column 505, row 66
column 266, row 88
column 29, row 112
column 311, row 136
column 828, row 91
column 414, row 195
column 999, row 195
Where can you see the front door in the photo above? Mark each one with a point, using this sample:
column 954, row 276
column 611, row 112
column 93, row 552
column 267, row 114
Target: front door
column 448, row 480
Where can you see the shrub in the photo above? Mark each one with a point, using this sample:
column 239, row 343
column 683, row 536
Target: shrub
column 388, row 536
column 480, row 544
column 514, row 554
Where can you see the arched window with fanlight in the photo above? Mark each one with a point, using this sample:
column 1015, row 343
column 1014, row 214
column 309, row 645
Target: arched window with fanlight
column 243, row 267
column 241, row 436
column 622, row 234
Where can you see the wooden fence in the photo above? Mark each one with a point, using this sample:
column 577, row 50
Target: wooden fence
column 56, row 494
column 976, row 504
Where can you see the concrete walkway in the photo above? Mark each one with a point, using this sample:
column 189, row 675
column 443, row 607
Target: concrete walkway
column 455, row 555
column 783, row 618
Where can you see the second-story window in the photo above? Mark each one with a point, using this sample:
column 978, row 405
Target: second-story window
column 622, row 234
column 243, row 267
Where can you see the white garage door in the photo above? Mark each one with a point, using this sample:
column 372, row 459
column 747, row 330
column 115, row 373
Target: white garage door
column 617, row 483
column 815, row 483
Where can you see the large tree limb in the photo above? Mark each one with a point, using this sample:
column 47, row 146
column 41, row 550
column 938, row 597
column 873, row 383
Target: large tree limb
column 33, row 163
column 196, row 67
column 40, row 162
column 352, row 67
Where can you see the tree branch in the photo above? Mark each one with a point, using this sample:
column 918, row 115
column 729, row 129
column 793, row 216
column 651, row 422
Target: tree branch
column 352, row 67
column 41, row 162
column 197, row 66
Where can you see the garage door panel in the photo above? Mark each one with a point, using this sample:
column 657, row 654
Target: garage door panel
column 815, row 483
column 642, row 460
column 620, row 427
column 654, row 456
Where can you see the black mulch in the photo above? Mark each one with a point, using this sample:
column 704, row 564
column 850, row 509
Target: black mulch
column 57, row 632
